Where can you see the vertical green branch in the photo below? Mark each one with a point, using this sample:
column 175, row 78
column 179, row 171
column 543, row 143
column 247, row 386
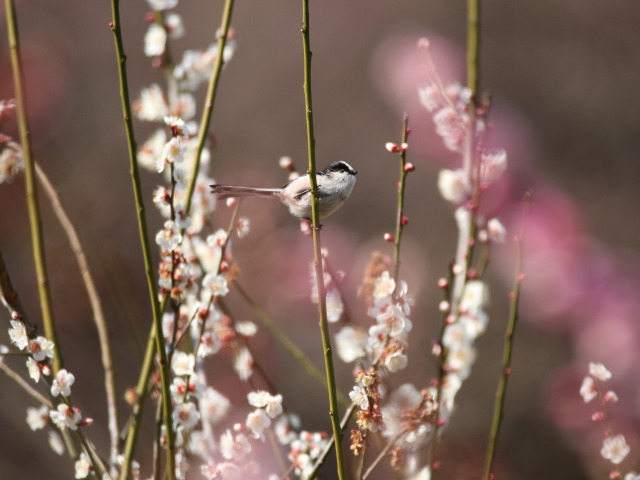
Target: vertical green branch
column 212, row 90
column 144, row 240
column 30, row 183
column 317, row 256
column 501, row 392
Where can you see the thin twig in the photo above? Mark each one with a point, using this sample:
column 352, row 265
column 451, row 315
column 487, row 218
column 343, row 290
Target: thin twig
column 383, row 453
column 325, row 453
column 286, row 342
column 144, row 240
column 10, row 297
column 501, row 392
column 400, row 213
column 24, row 385
column 212, row 91
column 35, row 221
column 96, row 307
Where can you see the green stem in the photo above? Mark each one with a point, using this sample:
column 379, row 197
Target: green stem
column 30, row 182
column 212, row 91
column 400, row 215
column 501, row 392
column 144, row 240
column 325, row 453
column 141, row 395
column 473, row 48
column 322, row 294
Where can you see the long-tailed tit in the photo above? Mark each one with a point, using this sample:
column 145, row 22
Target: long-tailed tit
column 335, row 184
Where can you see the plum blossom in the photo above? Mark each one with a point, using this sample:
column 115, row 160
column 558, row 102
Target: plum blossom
column 183, row 363
column 66, row 417
column 62, row 383
column 155, row 40
column 18, row 334
column 185, row 416
column 599, row 371
column 41, row 348
column 82, row 466
column 588, row 389
column 350, row 344
column 37, row 418
column 454, row 185
column 234, row 447
column 615, row 449
column 213, row 405
column 257, row 421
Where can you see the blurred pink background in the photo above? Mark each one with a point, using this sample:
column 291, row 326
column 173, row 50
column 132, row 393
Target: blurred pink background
column 564, row 78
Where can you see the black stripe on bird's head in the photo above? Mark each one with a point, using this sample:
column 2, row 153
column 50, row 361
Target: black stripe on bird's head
column 340, row 167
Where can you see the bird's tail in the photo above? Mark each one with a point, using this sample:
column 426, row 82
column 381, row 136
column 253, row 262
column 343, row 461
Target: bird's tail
column 227, row 191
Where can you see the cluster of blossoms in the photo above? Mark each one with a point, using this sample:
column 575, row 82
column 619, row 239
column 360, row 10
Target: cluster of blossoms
column 11, row 162
column 614, row 447
column 65, row 416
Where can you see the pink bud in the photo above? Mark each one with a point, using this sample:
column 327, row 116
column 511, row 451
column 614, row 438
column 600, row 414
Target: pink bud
column 444, row 306
column 597, row 416
column 388, row 237
column 392, row 147
column 443, row 283
column 231, row 202
column 424, row 43
column 409, row 167
column 404, row 220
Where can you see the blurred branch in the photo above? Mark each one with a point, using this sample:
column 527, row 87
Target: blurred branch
column 286, row 342
column 96, row 307
column 144, row 240
column 37, row 235
column 498, row 411
column 400, row 220
column 10, row 297
column 24, row 385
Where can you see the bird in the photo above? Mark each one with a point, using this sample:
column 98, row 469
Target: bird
column 335, row 184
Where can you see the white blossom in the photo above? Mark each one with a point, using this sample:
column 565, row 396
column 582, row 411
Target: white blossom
column 234, row 447
column 215, row 285
column 82, row 466
column 183, row 363
column 257, row 421
column 41, row 348
column 185, row 416
column 350, row 344
column 151, row 106
column 454, row 185
column 18, row 334
column 56, row 443
column 155, row 40
column 396, row 361
column 62, row 383
column 37, row 418
column 599, row 372
column 213, row 405
column 359, row 397
column 66, row 417
column 615, row 449
column 588, row 389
